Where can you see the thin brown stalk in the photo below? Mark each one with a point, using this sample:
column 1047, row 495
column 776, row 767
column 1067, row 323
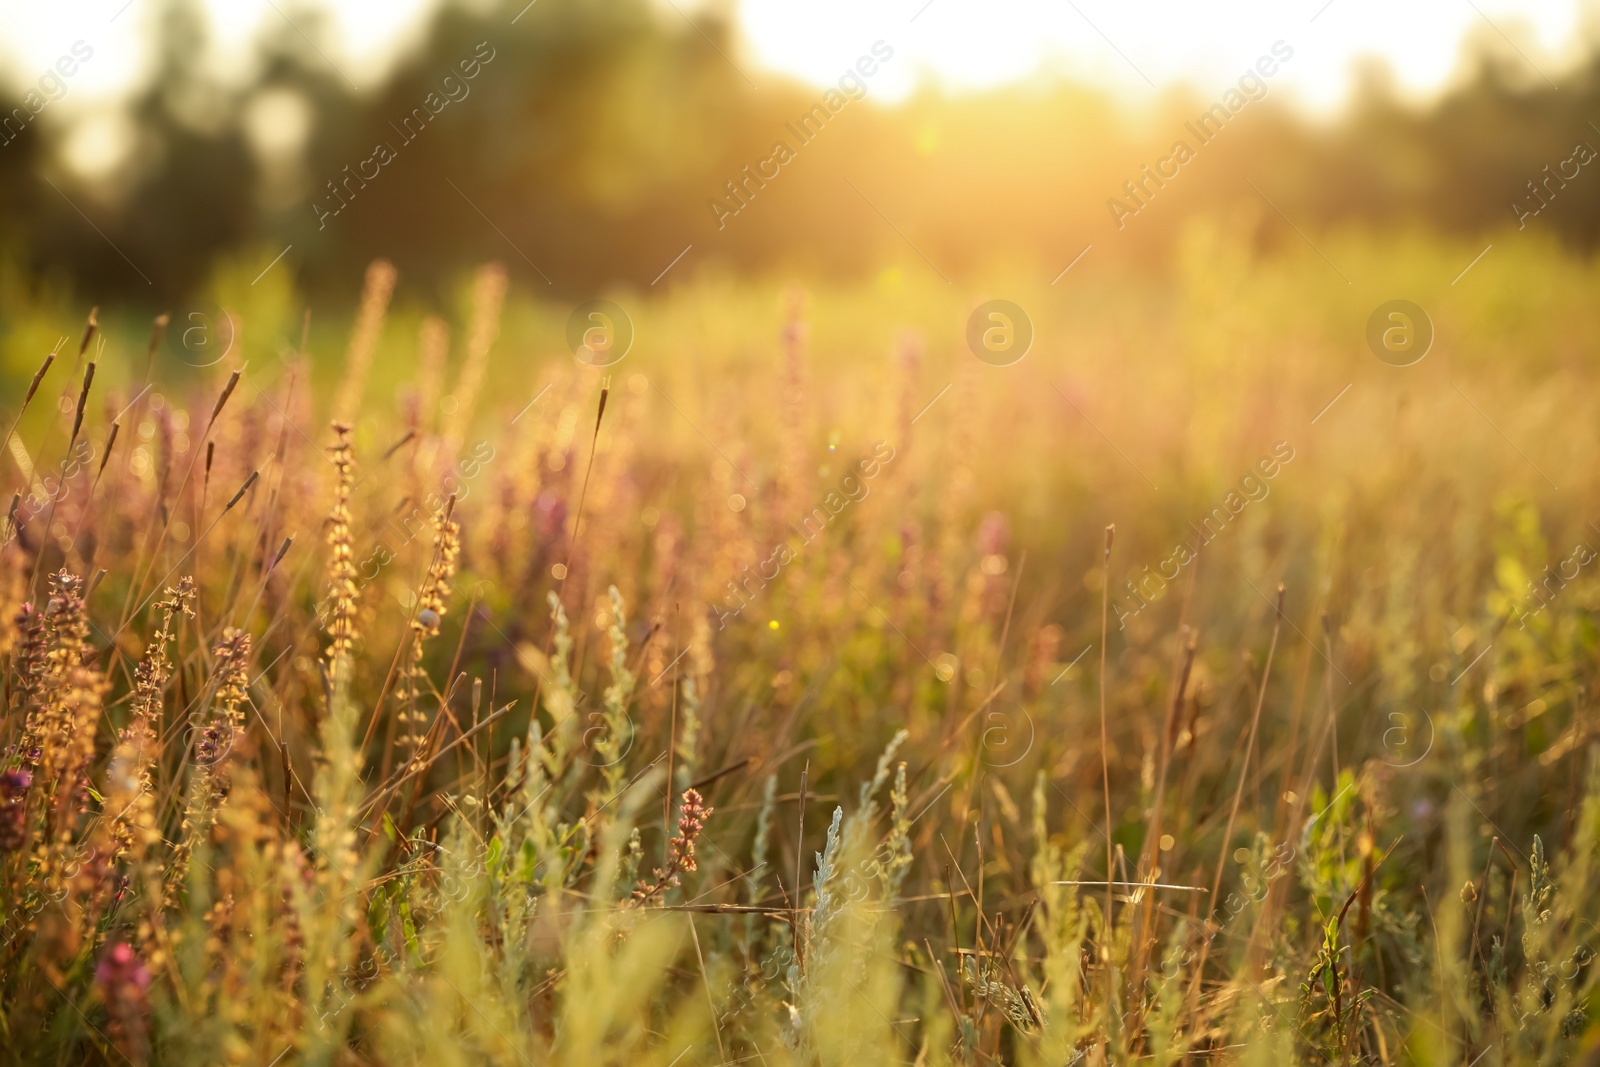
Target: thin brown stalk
column 1144, row 936
column 1105, row 769
column 1333, row 726
column 1249, row 746
column 158, row 330
column 33, row 387
column 799, row 851
column 136, row 590
column 716, row 1029
column 1244, row 770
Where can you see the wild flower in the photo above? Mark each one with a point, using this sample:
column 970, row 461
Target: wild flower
column 616, row 733
column 488, row 296
column 13, row 801
column 763, row 839
column 343, row 589
column 123, row 982
column 27, row 667
column 47, row 732
column 692, row 815
column 375, row 294
column 232, row 658
column 433, row 345
column 897, row 843
column 133, row 821
column 560, row 699
column 63, row 725
column 215, row 734
column 432, row 605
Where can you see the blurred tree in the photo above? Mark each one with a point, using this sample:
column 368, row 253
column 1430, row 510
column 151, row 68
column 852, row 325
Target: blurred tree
column 587, row 144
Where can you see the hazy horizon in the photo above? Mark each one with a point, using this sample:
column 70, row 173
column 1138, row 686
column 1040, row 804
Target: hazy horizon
column 1136, row 54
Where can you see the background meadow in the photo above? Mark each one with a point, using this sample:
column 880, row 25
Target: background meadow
column 396, row 673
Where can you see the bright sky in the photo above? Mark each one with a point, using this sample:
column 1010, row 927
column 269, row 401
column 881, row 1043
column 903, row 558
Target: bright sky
column 1125, row 45
column 1130, row 45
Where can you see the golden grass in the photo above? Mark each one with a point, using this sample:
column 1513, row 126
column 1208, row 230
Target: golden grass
column 766, row 696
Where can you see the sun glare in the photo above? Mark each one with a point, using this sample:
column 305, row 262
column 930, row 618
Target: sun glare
column 956, row 45
column 1139, row 48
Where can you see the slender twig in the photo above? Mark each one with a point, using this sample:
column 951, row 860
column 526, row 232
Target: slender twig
column 1107, row 937
column 799, row 852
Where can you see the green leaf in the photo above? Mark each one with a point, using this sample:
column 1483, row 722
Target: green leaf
column 493, row 856
column 528, row 861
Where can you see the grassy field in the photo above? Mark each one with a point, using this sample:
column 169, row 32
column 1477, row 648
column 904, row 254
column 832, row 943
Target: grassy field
column 403, row 690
